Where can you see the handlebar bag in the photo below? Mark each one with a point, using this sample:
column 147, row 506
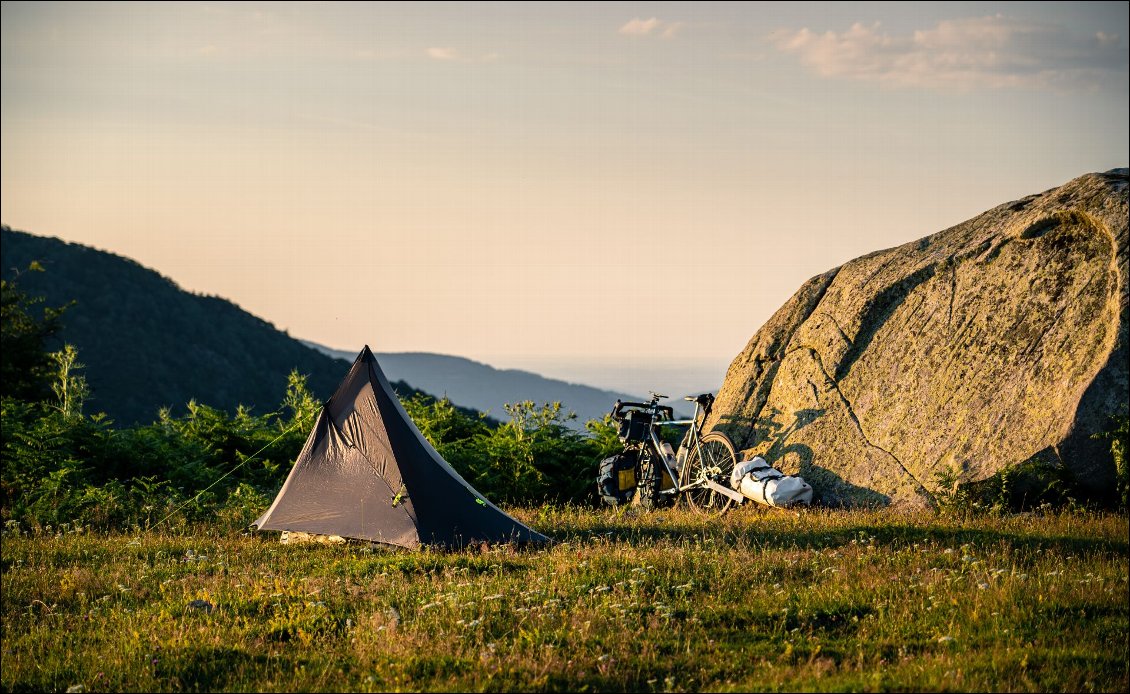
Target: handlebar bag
column 634, row 426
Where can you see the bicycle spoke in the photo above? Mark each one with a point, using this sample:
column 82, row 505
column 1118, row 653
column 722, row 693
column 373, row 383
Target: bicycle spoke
column 713, row 459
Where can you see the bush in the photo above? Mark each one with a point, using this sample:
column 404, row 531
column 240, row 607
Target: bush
column 534, row 457
column 1119, row 437
column 60, row 466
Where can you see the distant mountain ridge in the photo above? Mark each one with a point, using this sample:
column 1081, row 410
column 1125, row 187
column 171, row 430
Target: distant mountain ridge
column 147, row 343
column 485, row 388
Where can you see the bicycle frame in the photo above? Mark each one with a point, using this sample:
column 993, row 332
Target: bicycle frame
column 694, row 443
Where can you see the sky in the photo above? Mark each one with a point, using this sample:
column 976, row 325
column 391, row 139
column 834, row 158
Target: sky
column 618, row 194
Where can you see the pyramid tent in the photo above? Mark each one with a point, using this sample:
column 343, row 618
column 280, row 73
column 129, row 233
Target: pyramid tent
column 366, row 472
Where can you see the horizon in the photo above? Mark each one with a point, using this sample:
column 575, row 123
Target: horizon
column 673, row 379
column 613, row 190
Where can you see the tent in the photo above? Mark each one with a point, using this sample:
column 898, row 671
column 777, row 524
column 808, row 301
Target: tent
column 366, row 472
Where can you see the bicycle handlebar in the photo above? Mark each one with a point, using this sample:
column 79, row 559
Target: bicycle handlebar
column 659, row 409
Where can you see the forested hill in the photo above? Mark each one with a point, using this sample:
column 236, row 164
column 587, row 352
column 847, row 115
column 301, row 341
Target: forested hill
column 147, row 343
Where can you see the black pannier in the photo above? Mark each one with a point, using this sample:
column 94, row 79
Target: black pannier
column 616, row 481
column 635, row 426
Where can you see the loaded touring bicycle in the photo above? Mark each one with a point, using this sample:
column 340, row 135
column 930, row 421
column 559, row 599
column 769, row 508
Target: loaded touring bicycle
column 651, row 473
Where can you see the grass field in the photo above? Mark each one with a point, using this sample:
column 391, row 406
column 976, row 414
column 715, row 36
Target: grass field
column 758, row 600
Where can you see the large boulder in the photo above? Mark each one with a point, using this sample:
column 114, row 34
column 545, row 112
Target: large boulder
column 998, row 342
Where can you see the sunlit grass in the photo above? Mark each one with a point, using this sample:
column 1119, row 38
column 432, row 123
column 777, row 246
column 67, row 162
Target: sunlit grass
column 756, row 600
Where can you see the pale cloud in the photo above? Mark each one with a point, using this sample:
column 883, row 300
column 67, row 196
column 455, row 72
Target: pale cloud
column 639, row 27
column 443, row 53
column 453, row 55
column 645, row 27
column 671, row 29
column 983, row 52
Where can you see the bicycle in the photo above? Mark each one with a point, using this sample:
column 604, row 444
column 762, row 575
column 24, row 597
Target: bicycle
column 699, row 471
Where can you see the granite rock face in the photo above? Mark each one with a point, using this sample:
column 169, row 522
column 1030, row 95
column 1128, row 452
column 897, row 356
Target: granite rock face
column 996, row 342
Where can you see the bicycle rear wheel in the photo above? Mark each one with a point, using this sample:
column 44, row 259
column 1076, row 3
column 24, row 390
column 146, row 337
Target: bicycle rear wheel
column 712, row 459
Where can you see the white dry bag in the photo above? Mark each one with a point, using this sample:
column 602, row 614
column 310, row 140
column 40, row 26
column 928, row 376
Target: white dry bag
column 758, row 481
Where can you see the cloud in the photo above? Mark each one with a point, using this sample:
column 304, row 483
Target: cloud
column 453, row 55
column 443, row 53
column 639, row 27
column 644, row 27
column 961, row 54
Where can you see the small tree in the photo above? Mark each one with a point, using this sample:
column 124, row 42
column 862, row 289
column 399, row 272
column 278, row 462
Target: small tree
column 26, row 369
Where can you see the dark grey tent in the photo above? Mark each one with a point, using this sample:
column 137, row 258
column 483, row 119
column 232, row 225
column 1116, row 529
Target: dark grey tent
column 367, row 473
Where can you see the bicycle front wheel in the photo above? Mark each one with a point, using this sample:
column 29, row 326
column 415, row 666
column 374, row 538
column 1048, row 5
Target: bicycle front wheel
column 712, row 459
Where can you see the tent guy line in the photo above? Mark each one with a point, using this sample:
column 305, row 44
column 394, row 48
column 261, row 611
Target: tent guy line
column 227, row 474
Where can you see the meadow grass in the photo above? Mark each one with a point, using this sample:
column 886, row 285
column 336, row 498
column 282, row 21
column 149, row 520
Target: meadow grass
column 759, row 599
